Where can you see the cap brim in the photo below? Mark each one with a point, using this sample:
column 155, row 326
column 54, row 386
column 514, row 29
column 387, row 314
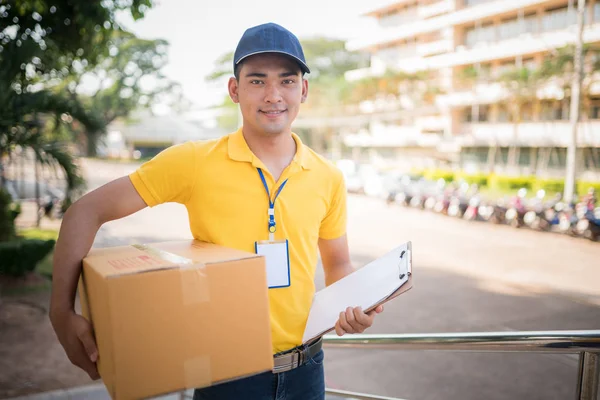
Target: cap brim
column 303, row 65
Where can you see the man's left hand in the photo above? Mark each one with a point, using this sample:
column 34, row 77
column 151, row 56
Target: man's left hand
column 355, row 320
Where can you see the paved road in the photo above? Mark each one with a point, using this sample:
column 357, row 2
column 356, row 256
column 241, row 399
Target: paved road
column 467, row 277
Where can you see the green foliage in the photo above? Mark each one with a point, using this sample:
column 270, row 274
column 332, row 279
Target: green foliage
column 52, row 34
column 18, row 257
column 327, row 58
column 583, row 187
column 223, row 68
column 45, row 48
column 435, row 174
column 8, row 213
column 507, row 184
column 510, row 183
column 44, row 267
column 481, row 180
column 549, row 185
column 36, row 233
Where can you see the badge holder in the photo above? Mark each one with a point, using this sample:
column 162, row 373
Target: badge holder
column 277, row 257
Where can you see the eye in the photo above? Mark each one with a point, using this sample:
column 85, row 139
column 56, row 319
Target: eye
column 288, row 81
column 256, row 82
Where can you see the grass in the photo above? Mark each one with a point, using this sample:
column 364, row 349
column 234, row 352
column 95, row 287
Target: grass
column 44, row 267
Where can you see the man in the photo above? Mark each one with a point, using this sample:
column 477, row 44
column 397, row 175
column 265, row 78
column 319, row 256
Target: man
column 254, row 189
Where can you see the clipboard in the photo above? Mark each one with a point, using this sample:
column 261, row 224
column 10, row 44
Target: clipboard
column 376, row 283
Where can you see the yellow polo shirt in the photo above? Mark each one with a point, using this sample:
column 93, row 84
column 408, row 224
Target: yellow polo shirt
column 227, row 204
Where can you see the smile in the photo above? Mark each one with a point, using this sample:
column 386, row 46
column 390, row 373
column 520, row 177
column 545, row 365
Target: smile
column 276, row 112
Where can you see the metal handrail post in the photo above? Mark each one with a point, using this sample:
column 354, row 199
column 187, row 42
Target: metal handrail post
column 588, row 377
column 585, row 343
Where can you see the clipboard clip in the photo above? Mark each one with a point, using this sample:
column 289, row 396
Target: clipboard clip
column 402, row 259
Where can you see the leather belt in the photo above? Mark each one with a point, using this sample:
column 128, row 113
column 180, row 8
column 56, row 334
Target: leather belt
column 296, row 357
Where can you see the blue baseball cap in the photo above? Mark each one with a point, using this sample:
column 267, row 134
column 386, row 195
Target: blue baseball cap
column 269, row 38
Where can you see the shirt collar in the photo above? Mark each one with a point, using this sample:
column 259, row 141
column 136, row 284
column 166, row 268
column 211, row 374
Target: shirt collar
column 238, row 150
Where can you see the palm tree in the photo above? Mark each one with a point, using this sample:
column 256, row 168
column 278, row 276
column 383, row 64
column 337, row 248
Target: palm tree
column 24, row 117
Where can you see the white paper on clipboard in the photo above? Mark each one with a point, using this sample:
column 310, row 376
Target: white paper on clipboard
column 376, row 283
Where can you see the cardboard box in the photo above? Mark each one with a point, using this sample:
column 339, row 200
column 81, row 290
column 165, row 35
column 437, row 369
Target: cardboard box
column 176, row 315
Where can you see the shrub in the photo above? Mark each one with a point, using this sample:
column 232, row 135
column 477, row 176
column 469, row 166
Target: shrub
column 510, row 183
column 18, row 257
column 435, row 174
column 550, row 185
column 481, row 180
column 8, row 214
column 583, row 187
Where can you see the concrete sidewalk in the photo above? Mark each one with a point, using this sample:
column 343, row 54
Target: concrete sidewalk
column 91, row 392
column 98, row 392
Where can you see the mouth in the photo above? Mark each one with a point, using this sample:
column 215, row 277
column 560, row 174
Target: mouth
column 272, row 113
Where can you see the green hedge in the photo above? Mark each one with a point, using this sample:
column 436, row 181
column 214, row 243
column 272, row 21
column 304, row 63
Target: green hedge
column 509, row 183
column 583, row 187
column 18, row 257
column 8, row 213
column 435, row 174
column 481, row 180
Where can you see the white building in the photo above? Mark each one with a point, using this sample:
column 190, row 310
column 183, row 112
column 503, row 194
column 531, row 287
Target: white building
column 470, row 122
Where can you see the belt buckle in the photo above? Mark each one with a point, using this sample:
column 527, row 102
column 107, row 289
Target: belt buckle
column 297, row 358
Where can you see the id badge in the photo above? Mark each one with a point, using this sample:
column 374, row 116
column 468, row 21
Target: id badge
column 277, row 258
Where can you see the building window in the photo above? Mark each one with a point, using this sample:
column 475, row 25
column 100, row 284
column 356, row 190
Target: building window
column 527, row 112
column 550, row 110
column 484, row 33
column 397, row 16
column 564, row 111
column 509, row 29
column 597, row 11
column 524, row 156
column 595, row 109
column 471, row 3
column 503, row 68
column 558, row 18
column 476, row 113
column 503, row 114
column 530, row 24
column 391, row 56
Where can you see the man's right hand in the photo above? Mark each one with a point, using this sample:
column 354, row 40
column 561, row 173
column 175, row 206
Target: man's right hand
column 77, row 232
column 76, row 336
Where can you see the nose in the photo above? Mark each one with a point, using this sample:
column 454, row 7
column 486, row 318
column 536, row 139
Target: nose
column 272, row 94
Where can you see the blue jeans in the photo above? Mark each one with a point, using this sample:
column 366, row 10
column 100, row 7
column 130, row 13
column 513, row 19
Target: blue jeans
column 306, row 382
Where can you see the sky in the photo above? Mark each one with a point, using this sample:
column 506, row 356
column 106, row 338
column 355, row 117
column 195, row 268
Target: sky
column 199, row 31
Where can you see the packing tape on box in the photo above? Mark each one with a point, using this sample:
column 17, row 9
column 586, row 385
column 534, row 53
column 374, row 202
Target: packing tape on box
column 197, row 372
column 194, row 281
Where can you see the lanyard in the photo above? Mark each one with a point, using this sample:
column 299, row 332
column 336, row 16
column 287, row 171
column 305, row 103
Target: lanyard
column 272, row 228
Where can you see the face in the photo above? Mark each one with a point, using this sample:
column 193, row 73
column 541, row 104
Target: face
column 269, row 91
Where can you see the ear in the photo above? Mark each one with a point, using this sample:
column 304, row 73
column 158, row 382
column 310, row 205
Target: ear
column 233, row 88
column 304, row 90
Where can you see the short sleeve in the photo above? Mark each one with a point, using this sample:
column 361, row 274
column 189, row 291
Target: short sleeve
column 168, row 177
column 333, row 225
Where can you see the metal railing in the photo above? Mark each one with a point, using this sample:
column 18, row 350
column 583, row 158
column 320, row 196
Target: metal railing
column 584, row 343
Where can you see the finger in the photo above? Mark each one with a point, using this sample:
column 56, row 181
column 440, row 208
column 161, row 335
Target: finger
column 363, row 319
column 87, row 340
column 338, row 329
column 377, row 310
column 82, row 361
column 351, row 318
column 92, row 371
column 344, row 323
